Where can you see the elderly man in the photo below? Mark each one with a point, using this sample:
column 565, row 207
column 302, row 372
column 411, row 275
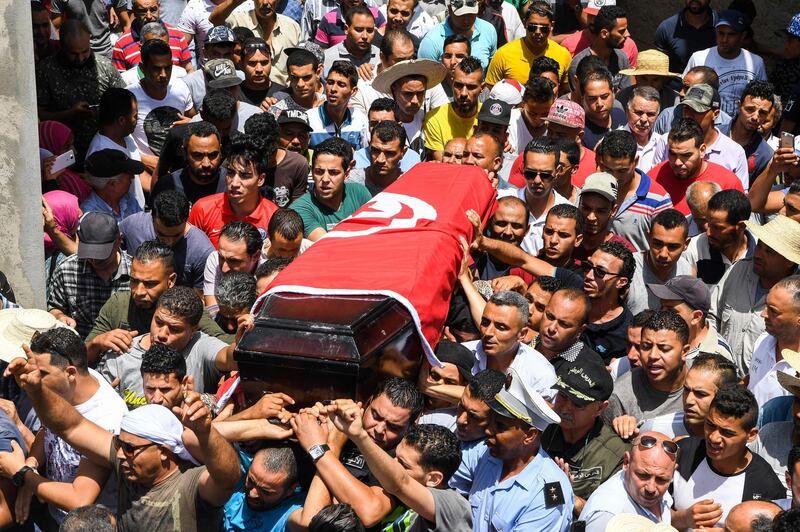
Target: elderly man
column 747, row 515
column 111, row 172
column 535, row 493
column 652, row 70
column 739, row 299
column 642, row 110
column 697, row 197
column 126, row 54
column 640, row 488
column 147, row 455
column 585, row 447
column 82, row 284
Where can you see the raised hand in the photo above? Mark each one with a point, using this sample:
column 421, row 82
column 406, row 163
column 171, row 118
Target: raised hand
column 25, row 371
column 346, row 417
column 194, row 414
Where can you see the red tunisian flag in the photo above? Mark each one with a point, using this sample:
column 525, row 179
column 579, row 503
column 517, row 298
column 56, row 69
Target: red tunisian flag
column 404, row 243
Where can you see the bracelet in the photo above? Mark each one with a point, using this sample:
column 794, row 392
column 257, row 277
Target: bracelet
column 210, row 401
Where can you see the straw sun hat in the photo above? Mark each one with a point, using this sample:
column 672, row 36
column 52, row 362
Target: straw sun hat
column 433, row 71
column 651, row 63
column 17, row 326
column 781, row 234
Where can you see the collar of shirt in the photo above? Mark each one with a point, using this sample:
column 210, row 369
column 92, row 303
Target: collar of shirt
column 752, row 144
column 557, row 199
column 228, row 212
column 710, row 23
column 344, row 54
column 526, row 479
column 641, row 193
column 327, row 121
column 476, row 346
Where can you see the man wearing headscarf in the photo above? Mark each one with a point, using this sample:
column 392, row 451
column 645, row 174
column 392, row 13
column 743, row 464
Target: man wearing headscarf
column 158, row 487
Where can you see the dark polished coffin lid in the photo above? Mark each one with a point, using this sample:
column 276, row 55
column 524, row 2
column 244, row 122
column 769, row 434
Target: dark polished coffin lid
column 319, row 347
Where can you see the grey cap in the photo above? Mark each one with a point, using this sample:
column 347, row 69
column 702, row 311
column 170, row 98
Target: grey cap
column 516, row 401
column 701, row 98
column 601, row 183
column 97, row 234
column 686, row 288
column 221, row 74
column 308, row 46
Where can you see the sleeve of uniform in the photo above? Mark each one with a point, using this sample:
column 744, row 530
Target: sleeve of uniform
column 461, row 481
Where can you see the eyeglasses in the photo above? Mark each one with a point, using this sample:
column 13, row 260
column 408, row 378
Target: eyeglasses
column 458, row 4
column 649, row 442
column 128, row 449
column 530, row 175
column 532, row 28
column 599, row 272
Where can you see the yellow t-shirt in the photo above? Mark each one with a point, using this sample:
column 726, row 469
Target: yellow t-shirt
column 443, row 124
column 513, row 60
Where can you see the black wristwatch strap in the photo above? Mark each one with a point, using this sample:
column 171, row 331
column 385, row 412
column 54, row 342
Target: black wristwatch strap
column 19, row 477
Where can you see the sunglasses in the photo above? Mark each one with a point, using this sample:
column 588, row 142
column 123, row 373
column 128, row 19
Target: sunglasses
column 649, row 442
column 257, row 47
column 532, row 28
column 530, row 175
column 128, row 449
column 458, row 4
column 599, row 272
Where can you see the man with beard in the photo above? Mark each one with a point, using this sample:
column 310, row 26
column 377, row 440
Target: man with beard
column 726, row 239
column 513, row 60
column 295, row 133
column 661, row 262
column 757, row 102
column 278, row 30
column 533, row 492
column 587, row 449
column 127, row 48
column 380, row 110
column 718, row 471
column 387, row 146
column 608, row 35
column 128, row 313
column 508, row 224
column 69, row 82
column 43, row 45
column 407, row 15
column 689, row 31
column 202, row 153
column 457, row 118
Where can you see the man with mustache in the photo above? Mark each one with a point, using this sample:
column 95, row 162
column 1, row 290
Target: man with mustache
column 387, row 147
column 582, row 445
column 663, row 260
column 757, row 102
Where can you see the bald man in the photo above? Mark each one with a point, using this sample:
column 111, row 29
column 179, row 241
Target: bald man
column 697, row 196
column 454, row 150
column 640, row 488
column 746, row 515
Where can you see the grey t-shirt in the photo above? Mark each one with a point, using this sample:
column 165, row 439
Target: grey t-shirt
column 453, row 513
column 94, row 14
column 634, row 396
column 640, row 298
column 191, row 251
column 200, row 354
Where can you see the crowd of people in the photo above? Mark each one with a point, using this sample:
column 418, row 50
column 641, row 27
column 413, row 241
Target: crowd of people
column 622, row 348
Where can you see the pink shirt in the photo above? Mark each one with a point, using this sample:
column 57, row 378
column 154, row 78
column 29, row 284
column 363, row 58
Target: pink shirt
column 579, row 41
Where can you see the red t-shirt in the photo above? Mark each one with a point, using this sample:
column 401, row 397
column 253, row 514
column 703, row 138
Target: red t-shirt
column 209, row 214
column 586, row 167
column 676, row 188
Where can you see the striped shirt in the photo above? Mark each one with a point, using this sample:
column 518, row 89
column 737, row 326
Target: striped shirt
column 633, row 217
column 127, row 50
column 354, row 128
column 330, row 31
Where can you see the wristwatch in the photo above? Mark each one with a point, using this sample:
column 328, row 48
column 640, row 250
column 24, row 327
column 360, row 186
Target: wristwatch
column 317, row 451
column 19, row 477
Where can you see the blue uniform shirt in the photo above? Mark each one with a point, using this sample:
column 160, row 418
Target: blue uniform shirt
column 519, row 502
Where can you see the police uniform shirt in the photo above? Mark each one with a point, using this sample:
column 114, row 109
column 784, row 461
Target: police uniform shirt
column 696, row 480
column 592, row 459
column 538, row 498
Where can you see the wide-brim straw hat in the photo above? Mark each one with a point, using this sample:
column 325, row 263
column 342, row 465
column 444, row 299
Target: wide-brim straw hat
column 790, row 383
column 636, row 523
column 651, row 63
column 17, row 326
column 433, row 71
column 781, row 234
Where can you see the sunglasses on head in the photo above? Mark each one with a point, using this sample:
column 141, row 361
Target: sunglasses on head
column 458, row 4
column 257, row 47
column 544, row 28
column 669, row 446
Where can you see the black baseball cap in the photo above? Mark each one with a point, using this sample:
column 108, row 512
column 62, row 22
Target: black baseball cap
column 294, row 116
column 111, row 163
column 97, row 234
column 495, row 112
column 686, row 288
column 586, row 383
column 458, row 355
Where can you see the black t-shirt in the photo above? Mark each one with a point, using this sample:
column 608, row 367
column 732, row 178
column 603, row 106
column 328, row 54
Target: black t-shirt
column 286, row 181
column 255, row 97
column 180, row 180
column 592, row 133
column 609, row 339
column 565, row 18
column 495, row 18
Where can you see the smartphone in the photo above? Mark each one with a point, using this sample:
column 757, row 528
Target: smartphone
column 65, row 160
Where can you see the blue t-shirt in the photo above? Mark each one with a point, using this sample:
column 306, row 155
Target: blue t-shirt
column 483, row 41
column 239, row 516
column 191, row 251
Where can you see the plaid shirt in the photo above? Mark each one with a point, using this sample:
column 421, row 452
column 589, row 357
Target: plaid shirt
column 78, row 292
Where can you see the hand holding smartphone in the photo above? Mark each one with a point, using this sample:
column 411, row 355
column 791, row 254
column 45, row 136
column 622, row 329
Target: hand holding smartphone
column 65, row 160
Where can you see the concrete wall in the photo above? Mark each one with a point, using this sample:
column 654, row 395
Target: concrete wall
column 21, row 244
column 644, row 17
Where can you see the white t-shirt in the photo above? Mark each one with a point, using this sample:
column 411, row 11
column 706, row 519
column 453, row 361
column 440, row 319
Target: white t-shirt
column 532, row 242
column 764, row 370
column 734, row 74
column 105, row 408
column 131, row 76
column 178, row 97
column 518, row 134
column 101, row 142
